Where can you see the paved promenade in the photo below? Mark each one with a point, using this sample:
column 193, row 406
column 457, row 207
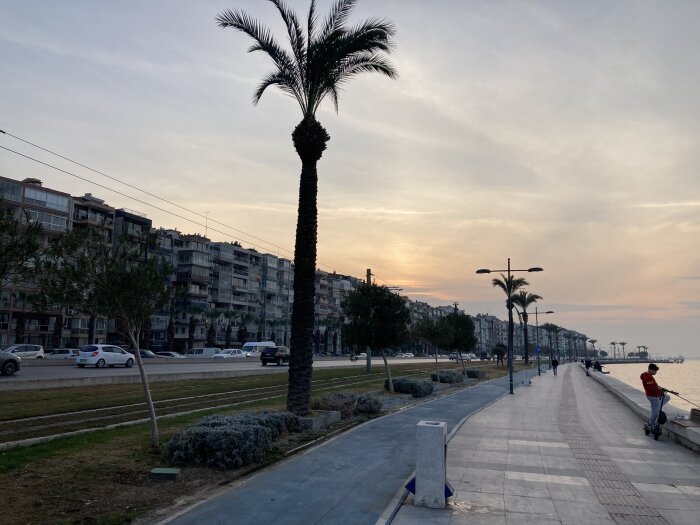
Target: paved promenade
column 563, row 451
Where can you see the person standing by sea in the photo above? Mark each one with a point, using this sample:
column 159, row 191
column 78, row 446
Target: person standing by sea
column 654, row 392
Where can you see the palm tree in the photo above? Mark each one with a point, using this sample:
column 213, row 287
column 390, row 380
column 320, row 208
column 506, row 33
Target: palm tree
column 613, row 344
column 593, row 342
column 323, row 58
column 524, row 299
column 509, row 285
column 623, row 344
column 550, row 328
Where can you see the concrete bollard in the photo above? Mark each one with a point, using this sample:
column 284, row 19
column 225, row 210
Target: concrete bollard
column 431, row 464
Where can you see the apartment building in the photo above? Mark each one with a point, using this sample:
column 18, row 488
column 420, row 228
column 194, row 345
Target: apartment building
column 19, row 322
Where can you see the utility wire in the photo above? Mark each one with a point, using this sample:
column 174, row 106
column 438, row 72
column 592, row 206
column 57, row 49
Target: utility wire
column 279, row 248
column 141, row 190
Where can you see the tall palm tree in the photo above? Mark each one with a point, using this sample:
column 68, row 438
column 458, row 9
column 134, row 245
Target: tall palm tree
column 524, row 299
column 322, row 59
column 614, row 345
column 623, row 344
column 551, row 329
column 509, row 285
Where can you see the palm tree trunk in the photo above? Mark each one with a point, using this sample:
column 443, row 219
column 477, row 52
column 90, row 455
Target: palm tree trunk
column 309, row 141
column 525, row 355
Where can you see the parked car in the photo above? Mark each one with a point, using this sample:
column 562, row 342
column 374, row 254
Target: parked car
column 170, row 355
column 199, row 353
column 28, row 351
column 255, row 348
column 63, row 353
column 229, row 353
column 408, row 354
column 362, row 355
column 104, row 355
column 9, row 363
column 275, row 354
column 399, row 354
column 147, row 354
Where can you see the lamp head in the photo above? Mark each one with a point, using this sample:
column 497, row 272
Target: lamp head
column 550, row 312
column 535, row 269
column 483, row 270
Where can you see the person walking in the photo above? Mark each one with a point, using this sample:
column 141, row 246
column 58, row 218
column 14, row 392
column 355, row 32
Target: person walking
column 555, row 364
column 588, row 365
column 654, row 394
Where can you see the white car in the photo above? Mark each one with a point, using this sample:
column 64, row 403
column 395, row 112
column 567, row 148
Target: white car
column 104, row 355
column 399, row 354
column 229, row 353
column 63, row 353
column 29, row 351
column 409, row 354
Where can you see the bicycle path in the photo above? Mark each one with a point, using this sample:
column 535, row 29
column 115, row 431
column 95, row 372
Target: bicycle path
column 348, row 480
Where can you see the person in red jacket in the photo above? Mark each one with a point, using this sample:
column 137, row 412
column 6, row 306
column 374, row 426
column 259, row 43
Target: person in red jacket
column 654, row 393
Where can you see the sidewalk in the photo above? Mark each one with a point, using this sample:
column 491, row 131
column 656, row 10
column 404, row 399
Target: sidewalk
column 567, row 451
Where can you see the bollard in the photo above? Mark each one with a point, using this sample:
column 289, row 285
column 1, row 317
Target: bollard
column 431, row 464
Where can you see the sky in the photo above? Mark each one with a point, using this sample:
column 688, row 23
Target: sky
column 561, row 134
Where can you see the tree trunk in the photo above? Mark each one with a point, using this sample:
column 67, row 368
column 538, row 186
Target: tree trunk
column 437, row 366
column 525, row 355
column 464, row 367
column 309, row 141
column 134, row 336
column 388, row 372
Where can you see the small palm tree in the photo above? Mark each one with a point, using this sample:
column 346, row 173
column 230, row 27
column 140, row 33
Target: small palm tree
column 614, row 345
column 509, row 285
column 322, row 59
column 524, row 299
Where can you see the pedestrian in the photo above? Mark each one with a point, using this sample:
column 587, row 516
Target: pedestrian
column 588, row 364
column 654, row 393
column 555, row 364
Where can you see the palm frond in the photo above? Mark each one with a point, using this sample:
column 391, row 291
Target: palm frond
column 311, row 22
column 336, row 18
column 524, row 299
column 279, row 79
column 297, row 40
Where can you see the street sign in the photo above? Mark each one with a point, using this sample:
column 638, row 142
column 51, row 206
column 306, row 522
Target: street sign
column 538, row 350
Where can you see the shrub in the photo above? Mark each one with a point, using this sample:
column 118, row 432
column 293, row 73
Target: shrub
column 415, row 387
column 348, row 404
column 448, row 376
column 476, row 373
column 228, row 442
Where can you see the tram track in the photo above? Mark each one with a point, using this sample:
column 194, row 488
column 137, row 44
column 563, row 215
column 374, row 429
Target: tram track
column 47, row 425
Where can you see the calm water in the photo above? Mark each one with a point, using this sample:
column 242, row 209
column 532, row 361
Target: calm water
column 684, row 379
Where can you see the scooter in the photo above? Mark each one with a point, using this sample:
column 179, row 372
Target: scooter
column 661, row 418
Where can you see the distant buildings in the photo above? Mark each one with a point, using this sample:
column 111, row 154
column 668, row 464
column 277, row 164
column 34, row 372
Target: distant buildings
column 225, row 292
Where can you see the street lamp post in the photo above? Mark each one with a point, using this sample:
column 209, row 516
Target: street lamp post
column 509, row 305
column 537, row 339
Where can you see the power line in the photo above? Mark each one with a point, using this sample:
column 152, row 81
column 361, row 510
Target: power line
column 205, row 216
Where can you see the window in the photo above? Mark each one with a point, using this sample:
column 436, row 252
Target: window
column 10, row 192
column 46, row 200
column 48, row 221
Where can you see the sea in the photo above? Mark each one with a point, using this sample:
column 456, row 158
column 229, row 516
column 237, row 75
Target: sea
column 683, row 378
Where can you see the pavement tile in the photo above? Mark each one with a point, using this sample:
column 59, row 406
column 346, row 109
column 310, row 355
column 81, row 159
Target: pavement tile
column 654, row 487
column 680, row 517
column 480, row 501
column 459, row 518
column 517, row 518
column 411, row 515
column 686, row 489
column 557, row 491
column 659, row 500
column 523, row 504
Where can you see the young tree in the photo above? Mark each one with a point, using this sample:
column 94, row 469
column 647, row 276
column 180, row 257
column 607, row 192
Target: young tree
column 123, row 283
column 323, row 58
column 463, row 337
column 130, row 287
column 499, row 351
column 376, row 318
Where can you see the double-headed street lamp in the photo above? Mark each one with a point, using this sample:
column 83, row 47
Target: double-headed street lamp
column 537, row 340
column 509, row 305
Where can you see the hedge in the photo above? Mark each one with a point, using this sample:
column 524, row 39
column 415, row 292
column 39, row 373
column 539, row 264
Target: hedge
column 448, row 376
column 229, row 442
column 348, row 404
column 415, row 387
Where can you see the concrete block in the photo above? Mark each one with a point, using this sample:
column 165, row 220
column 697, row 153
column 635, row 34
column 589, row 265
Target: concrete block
column 165, row 473
column 320, row 420
column 431, row 464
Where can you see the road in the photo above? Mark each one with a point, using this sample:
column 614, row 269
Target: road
column 47, row 370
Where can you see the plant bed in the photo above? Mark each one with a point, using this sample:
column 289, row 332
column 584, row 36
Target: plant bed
column 319, row 419
column 415, row 387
